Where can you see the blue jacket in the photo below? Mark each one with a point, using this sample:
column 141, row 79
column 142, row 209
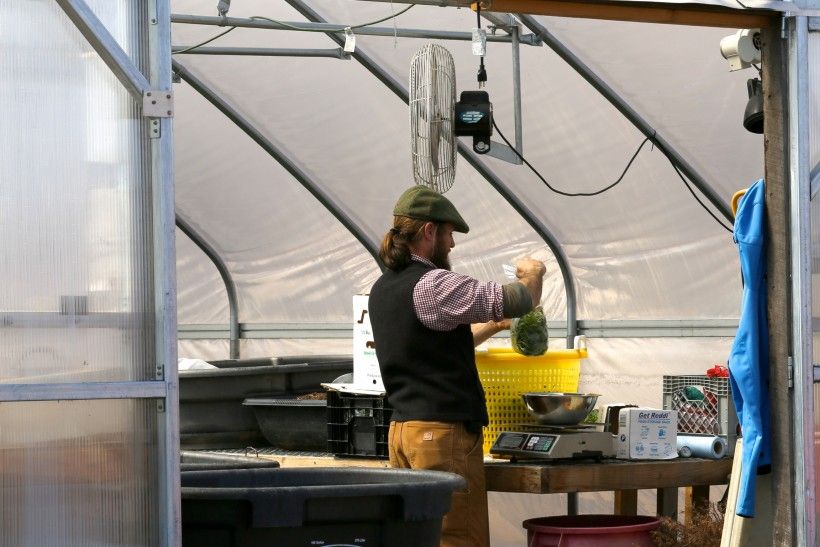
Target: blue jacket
column 749, row 359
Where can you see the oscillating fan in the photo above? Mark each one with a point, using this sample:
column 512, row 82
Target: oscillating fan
column 432, row 100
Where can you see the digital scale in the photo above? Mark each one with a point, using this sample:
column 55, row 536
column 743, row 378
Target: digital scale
column 551, row 443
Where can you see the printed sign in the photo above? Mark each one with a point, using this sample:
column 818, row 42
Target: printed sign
column 366, row 373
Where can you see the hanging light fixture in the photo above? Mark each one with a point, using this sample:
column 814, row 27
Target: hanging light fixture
column 753, row 115
column 743, row 49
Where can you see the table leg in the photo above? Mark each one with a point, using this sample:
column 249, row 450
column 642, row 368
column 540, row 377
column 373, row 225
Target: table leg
column 572, row 503
column 626, row 502
column 668, row 502
column 696, row 498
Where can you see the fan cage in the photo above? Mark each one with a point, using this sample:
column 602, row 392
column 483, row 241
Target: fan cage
column 432, row 102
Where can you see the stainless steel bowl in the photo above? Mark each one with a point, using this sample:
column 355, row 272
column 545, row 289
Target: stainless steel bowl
column 559, row 408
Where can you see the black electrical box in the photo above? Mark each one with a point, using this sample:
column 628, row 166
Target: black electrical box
column 474, row 118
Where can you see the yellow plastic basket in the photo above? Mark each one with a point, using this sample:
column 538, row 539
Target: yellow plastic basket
column 506, row 374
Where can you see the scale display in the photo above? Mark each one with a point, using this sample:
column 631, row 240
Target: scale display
column 528, row 442
column 554, row 446
column 540, row 443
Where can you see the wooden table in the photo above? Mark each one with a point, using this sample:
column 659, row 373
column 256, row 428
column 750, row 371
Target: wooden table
column 623, row 477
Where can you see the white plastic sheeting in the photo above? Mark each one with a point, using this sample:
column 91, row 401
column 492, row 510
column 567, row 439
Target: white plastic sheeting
column 643, row 250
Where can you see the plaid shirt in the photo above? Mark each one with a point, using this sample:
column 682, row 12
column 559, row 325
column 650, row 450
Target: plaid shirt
column 444, row 300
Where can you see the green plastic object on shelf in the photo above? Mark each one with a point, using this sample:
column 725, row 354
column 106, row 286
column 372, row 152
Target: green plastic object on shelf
column 693, row 394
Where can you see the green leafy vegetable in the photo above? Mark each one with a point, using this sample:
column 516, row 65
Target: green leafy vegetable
column 529, row 333
column 592, row 417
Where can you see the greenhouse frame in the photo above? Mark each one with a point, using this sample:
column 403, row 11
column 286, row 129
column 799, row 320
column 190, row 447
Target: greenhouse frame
column 169, row 193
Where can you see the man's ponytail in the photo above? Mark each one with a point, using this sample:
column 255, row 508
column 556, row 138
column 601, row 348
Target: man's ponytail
column 395, row 248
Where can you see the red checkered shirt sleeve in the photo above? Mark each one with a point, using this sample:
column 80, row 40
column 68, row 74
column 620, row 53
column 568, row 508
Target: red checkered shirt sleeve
column 444, row 300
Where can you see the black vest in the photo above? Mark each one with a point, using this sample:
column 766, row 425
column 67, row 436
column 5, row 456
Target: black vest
column 428, row 375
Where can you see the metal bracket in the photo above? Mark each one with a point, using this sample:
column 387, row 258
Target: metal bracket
column 161, row 406
column 501, row 151
column 155, row 131
column 499, row 20
column 816, row 368
column 814, row 185
column 159, row 373
column 158, row 104
column 790, row 371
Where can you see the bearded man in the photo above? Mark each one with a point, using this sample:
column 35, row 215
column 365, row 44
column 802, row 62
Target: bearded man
column 426, row 322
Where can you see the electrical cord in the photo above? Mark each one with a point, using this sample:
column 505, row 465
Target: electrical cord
column 294, row 27
column 482, row 73
column 561, row 192
column 617, row 181
column 341, row 28
column 208, row 41
column 691, row 191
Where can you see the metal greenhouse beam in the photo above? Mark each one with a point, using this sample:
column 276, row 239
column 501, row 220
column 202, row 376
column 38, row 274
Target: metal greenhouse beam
column 106, row 47
column 472, row 158
column 345, row 217
column 335, row 53
column 630, row 113
column 227, row 278
column 390, row 32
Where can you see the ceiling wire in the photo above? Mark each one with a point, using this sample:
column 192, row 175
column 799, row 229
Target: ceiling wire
column 341, row 28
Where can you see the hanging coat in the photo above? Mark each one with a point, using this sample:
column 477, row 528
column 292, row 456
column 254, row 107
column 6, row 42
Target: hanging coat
column 749, row 359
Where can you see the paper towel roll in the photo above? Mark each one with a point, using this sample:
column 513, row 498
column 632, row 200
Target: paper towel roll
column 701, row 446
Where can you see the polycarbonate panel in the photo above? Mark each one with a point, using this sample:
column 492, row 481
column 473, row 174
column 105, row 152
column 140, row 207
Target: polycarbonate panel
column 814, row 104
column 814, row 160
column 76, row 299
column 78, row 474
column 643, row 250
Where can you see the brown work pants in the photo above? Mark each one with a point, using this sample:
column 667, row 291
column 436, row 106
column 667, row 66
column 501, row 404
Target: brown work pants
column 448, row 446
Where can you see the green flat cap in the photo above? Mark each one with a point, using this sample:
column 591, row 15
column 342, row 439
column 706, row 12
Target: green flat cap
column 422, row 203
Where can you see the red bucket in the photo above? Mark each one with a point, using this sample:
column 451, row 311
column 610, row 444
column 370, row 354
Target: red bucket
column 591, row 531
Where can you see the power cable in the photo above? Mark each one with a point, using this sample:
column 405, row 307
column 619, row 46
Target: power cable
column 617, row 181
column 294, row 27
column 340, row 29
column 675, row 167
column 561, row 192
column 208, row 41
column 482, row 73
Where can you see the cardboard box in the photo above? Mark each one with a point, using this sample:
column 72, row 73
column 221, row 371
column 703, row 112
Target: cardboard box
column 366, row 373
column 647, row 434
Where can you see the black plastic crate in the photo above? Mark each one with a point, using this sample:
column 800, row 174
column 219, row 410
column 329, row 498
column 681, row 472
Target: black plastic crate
column 357, row 425
column 303, row 507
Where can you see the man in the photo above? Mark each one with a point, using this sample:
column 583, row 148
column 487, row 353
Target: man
column 426, row 322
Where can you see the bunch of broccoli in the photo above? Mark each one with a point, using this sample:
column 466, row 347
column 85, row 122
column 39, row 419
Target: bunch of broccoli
column 529, row 333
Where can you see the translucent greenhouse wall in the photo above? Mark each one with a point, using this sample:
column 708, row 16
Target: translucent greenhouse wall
column 82, row 409
column 814, row 165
